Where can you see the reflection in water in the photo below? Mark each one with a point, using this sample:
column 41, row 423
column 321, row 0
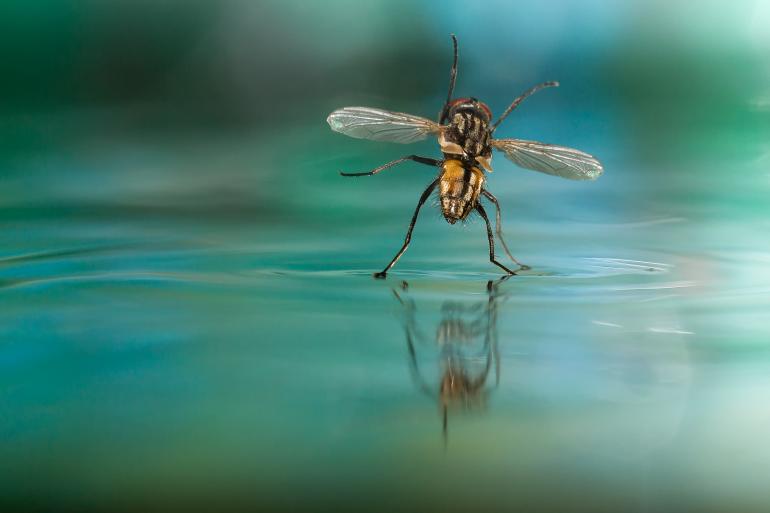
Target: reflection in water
column 466, row 340
column 598, row 360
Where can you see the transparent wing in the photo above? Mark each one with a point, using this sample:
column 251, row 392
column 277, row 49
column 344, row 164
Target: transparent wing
column 381, row 125
column 550, row 159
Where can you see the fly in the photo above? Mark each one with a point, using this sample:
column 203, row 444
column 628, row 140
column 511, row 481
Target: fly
column 465, row 134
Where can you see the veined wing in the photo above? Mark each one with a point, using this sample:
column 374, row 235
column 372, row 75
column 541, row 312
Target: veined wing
column 381, row 125
column 550, row 159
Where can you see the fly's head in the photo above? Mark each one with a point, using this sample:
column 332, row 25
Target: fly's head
column 471, row 106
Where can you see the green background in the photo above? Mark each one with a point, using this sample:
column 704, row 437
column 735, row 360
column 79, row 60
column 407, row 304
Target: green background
column 187, row 315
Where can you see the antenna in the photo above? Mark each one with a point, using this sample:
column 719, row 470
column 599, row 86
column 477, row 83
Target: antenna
column 521, row 98
column 452, row 80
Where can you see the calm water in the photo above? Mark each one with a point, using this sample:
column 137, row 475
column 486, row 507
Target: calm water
column 168, row 345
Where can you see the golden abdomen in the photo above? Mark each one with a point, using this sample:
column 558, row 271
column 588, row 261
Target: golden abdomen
column 459, row 189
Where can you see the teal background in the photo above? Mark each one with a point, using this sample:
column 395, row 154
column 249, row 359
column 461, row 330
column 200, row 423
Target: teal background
column 187, row 315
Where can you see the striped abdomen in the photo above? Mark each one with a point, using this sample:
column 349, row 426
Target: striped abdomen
column 459, row 190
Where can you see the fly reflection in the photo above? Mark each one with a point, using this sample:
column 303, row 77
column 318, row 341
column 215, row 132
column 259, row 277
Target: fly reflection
column 464, row 344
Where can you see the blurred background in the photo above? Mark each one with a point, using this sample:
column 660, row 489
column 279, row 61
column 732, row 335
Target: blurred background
column 187, row 313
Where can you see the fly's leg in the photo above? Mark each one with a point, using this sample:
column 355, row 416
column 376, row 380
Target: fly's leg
column 499, row 229
column 426, row 193
column 452, row 80
column 422, row 160
column 491, row 238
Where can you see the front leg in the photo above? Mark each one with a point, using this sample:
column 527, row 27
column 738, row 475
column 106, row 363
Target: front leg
column 422, row 160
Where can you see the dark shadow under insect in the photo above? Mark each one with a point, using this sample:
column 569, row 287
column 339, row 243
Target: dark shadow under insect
column 464, row 132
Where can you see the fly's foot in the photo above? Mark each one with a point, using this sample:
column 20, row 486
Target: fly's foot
column 501, row 266
column 380, row 275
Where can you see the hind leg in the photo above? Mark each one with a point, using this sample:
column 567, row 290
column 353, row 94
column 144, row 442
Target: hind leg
column 491, row 238
column 499, row 230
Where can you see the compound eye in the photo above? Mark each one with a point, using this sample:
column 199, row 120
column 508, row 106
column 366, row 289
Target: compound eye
column 459, row 102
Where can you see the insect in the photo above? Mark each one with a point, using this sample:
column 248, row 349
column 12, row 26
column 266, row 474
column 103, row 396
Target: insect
column 465, row 134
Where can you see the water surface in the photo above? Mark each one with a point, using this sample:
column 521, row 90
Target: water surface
column 169, row 338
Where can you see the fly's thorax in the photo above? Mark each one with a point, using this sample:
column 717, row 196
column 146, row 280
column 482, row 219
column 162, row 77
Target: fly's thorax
column 467, row 130
column 459, row 188
column 467, row 134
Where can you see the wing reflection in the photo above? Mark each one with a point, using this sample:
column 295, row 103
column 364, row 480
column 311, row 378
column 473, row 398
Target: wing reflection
column 465, row 345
